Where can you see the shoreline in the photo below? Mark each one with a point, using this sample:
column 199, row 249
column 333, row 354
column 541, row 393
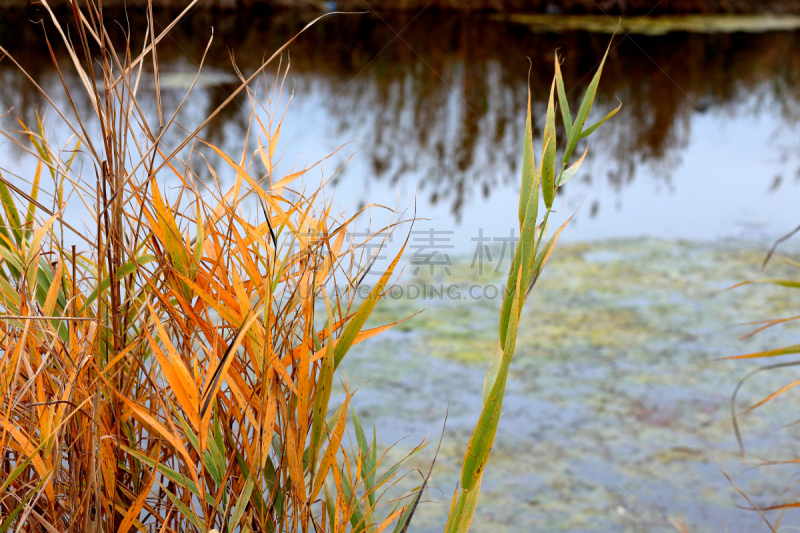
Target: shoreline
column 572, row 7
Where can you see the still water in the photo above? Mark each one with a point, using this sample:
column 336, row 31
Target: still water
column 616, row 420
column 705, row 146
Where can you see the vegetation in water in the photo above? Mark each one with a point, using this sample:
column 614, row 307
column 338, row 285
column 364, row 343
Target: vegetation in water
column 616, row 416
column 530, row 257
column 171, row 373
column 657, row 25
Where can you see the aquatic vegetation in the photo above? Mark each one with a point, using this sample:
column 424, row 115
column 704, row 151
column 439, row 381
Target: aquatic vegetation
column 531, row 255
column 171, row 372
column 659, row 25
column 619, row 421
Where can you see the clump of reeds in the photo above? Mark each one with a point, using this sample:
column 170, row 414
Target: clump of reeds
column 170, row 373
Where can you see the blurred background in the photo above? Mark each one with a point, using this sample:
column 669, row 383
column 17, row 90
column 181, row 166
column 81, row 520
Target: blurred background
column 616, row 412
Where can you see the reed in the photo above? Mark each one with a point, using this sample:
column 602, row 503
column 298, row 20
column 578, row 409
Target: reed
column 530, row 258
column 114, row 414
column 782, row 365
column 171, row 373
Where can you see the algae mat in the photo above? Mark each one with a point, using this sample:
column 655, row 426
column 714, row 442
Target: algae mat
column 655, row 25
column 617, row 414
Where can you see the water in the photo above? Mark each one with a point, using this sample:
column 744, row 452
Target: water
column 704, row 147
column 615, row 414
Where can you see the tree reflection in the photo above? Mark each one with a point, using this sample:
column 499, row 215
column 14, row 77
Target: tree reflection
column 444, row 101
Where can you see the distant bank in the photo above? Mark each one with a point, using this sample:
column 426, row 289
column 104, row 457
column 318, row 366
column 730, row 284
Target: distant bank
column 613, row 7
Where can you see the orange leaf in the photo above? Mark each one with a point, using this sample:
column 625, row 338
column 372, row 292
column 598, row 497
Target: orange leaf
column 136, row 506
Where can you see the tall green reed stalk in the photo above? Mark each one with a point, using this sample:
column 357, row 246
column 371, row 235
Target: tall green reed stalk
column 530, row 258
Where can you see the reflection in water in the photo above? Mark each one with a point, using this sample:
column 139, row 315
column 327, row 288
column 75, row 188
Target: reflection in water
column 444, row 100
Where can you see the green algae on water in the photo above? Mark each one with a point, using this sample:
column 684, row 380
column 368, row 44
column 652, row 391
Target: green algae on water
column 656, row 25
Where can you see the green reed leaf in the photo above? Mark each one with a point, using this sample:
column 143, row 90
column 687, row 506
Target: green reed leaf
column 4, row 527
column 12, row 215
column 591, row 129
column 562, row 98
column 353, row 327
column 549, row 151
column 583, row 111
column 529, row 183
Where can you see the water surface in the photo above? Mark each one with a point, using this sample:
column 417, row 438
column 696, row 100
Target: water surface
column 704, row 147
column 615, row 420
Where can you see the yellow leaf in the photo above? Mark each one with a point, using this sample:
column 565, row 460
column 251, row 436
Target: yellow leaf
column 52, row 292
column 144, row 416
column 330, row 453
column 27, row 447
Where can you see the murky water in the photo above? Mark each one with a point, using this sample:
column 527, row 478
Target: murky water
column 617, row 416
column 616, row 420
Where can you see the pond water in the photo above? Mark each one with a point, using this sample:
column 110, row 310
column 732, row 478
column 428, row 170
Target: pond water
column 705, row 146
column 616, row 419
column 617, row 416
